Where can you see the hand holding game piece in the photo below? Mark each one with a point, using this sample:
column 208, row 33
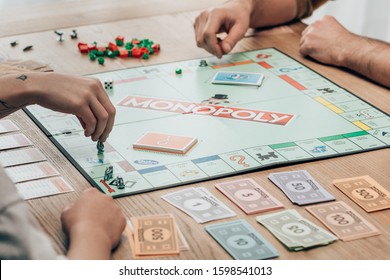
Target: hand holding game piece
column 94, row 225
column 232, row 18
column 83, row 97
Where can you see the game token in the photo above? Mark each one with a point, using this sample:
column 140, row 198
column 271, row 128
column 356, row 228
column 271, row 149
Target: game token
column 108, row 173
column 178, row 71
column 100, row 147
column 120, row 183
column 203, row 63
column 14, row 43
column 73, row 35
column 60, row 34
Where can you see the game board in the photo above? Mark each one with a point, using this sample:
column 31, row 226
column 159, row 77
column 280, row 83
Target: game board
column 296, row 115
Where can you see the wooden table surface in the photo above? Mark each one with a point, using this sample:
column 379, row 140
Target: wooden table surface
column 171, row 26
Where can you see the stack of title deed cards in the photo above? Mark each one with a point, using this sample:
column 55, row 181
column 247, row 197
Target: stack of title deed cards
column 242, row 241
column 365, row 192
column 343, row 221
column 294, row 231
column 238, row 78
column 249, row 196
column 200, row 204
column 300, row 187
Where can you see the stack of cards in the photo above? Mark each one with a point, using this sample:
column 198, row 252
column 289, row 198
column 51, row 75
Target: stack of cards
column 238, row 78
column 343, row 221
column 300, row 187
column 242, row 241
column 153, row 235
column 249, row 196
column 365, row 192
column 7, row 126
column 294, row 231
column 165, row 143
column 200, row 204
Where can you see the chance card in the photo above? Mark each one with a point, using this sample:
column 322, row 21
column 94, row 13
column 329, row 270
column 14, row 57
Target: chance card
column 165, row 143
column 238, row 78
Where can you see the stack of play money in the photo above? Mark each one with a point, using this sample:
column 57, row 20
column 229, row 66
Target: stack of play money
column 343, row 221
column 294, row 231
column 200, row 204
column 155, row 235
column 249, row 196
column 242, row 241
column 300, row 187
column 365, row 192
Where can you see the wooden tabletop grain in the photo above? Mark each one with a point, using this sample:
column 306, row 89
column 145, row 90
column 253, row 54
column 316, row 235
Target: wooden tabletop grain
column 172, row 26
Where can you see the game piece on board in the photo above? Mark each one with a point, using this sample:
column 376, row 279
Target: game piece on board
column 100, row 147
column 28, row 48
column 73, row 35
column 178, row 71
column 203, row 63
column 60, row 34
column 14, row 43
column 120, row 183
column 165, row 143
column 108, row 173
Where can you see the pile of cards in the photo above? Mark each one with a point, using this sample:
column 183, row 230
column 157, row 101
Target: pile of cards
column 249, row 196
column 300, row 187
column 343, row 221
column 156, row 235
column 168, row 143
column 365, row 192
column 238, row 78
column 200, row 204
column 294, row 231
column 242, row 241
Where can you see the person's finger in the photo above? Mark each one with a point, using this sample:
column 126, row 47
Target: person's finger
column 236, row 33
column 88, row 119
column 101, row 116
column 211, row 29
column 110, row 122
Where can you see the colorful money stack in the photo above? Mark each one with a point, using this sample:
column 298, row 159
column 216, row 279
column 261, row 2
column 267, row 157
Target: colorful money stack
column 249, row 196
column 200, row 204
column 294, row 231
column 156, row 235
column 242, row 241
column 343, row 221
column 300, row 187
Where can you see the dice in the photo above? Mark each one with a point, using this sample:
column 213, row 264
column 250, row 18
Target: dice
column 109, row 86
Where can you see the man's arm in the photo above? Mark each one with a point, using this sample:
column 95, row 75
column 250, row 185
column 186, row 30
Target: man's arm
column 329, row 42
column 80, row 96
column 236, row 16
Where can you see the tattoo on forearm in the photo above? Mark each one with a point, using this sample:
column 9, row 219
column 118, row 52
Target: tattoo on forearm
column 22, row 77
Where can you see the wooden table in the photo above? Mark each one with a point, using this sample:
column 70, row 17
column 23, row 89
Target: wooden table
column 171, row 26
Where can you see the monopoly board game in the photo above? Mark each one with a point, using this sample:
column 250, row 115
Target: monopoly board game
column 293, row 115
